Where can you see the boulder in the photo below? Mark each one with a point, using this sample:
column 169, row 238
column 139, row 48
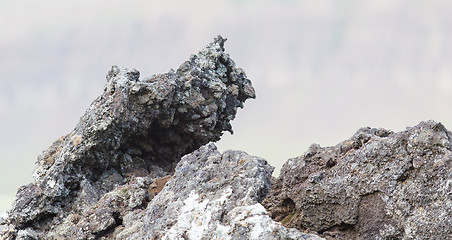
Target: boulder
column 376, row 185
column 212, row 195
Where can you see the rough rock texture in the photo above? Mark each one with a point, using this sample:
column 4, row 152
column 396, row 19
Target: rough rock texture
column 131, row 136
column 211, row 196
column 121, row 174
column 376, row 185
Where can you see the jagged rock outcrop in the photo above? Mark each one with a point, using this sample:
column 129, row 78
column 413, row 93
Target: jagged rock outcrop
column 136, row 128
column 119, row 173
column 376, row 185
column 139, row 165
column 211, row 196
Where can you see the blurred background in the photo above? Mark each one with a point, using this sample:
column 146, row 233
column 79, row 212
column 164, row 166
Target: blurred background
column 321, row 68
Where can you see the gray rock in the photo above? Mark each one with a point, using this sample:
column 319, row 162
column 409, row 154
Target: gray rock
column 376, row 185
column 119, row 173
column 211, row 196
column 129, row 139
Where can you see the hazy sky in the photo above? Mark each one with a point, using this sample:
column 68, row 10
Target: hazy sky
column 321, row 68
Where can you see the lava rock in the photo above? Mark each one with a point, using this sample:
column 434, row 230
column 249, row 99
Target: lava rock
column 211, row 196
column 376, row 185
column 130, row 137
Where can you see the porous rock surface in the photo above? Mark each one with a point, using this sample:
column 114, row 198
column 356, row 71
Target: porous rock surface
column 211, row 196
column 119, row 173
column 139, row 165
column 130, row 138
column 376, row 185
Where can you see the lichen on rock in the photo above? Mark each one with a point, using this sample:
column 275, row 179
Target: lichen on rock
column 212, row 195
column 132, row 134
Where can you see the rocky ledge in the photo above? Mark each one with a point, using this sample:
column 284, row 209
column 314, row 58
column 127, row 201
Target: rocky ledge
column 139, row 165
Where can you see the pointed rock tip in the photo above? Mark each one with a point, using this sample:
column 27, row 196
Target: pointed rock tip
column 220, row 41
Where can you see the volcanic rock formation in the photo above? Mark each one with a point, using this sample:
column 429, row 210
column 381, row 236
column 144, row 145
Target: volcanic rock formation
column 211, row 196
column 376, row 185
column 102, row 180
column 139, row 165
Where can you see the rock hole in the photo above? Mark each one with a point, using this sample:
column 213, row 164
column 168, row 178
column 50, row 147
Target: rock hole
column 289, row 204
column 330, row 163
column 110, row 230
